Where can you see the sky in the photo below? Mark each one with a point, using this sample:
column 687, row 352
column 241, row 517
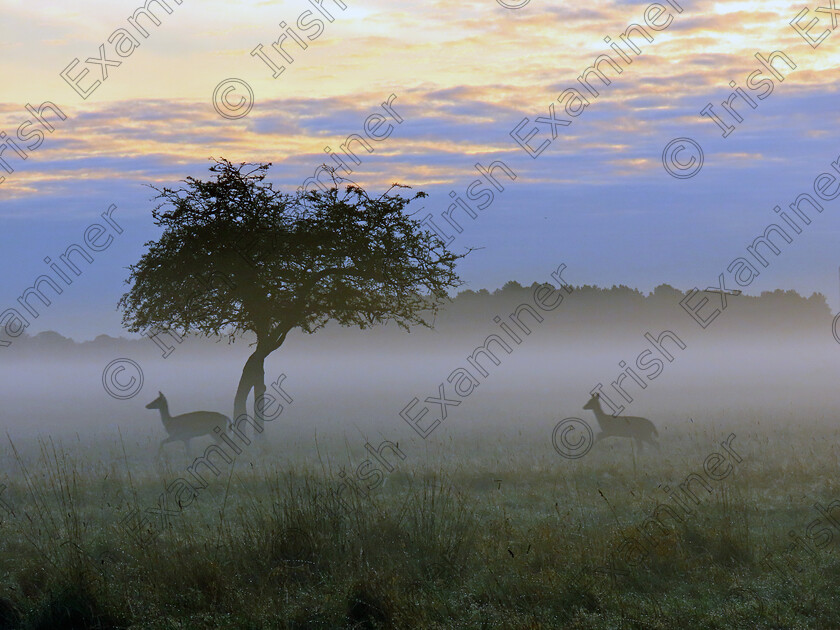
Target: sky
column 461, row 76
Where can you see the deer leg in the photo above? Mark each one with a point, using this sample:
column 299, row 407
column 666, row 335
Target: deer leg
column 166, row 441
column 187, row 446
column 640, row 444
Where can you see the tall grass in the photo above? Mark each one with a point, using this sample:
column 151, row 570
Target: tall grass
column 507, row 536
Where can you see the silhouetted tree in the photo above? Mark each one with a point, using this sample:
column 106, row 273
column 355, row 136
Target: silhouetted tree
column 286, row 261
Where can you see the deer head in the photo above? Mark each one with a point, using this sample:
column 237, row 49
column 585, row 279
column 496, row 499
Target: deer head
column 593, row 403
column 158, row 402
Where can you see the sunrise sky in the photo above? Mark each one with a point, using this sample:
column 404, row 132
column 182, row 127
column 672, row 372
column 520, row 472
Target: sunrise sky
column 464, row 75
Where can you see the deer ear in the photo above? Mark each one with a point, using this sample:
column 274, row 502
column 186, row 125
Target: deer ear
column 597, row 395
column 160, row 393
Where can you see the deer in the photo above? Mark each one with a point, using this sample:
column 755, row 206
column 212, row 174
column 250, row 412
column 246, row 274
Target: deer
column 187, row 426
column 641, row 429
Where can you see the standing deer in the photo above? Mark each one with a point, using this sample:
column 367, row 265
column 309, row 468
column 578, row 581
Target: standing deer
column 187, row 426
column 641, row 429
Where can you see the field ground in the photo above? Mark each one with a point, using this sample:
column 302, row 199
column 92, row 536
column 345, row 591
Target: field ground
column 485, row 532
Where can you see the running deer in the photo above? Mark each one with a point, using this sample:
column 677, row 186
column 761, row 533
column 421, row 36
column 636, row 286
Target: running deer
column 187, row 426
column 641, row 429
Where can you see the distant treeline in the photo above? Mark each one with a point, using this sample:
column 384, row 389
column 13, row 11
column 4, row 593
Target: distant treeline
column 587, row 310
column 604, row 310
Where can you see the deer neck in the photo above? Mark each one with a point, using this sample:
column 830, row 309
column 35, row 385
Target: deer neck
column 164, row 412
column 599, row 412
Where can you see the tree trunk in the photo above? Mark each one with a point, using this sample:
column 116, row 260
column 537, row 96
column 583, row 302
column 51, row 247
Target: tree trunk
column 259, row 392
column 253, row 375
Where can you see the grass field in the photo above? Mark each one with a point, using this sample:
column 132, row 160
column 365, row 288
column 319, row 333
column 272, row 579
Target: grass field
column 497, row 532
